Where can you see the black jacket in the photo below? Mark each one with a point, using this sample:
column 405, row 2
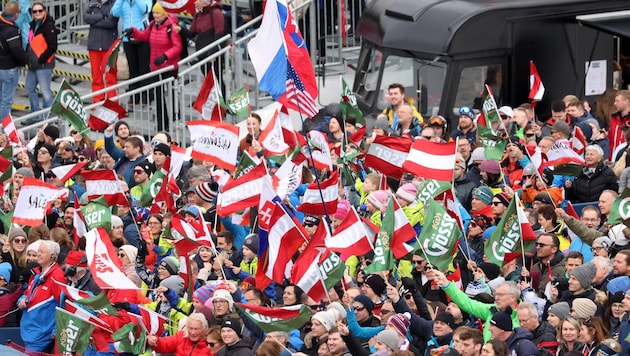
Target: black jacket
column 48, row 30
column 241, row 348
column 587, row 188
column 545, row 337
column 103, row 26
column 11, row 53
column 521, row 341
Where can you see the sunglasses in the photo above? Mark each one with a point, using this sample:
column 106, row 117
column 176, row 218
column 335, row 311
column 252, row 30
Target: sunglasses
column 82, row 159
column 74, row 132
column 359, row 308
column 212, row 344
column 408, row 296
column 540, row 244
column 309, row 225
column 314, row 306
column 19, row 241
column 121, row 255
column 43, row 151
column 427, row 137
column 497, row 203
column 418, row 262
column 37, row 11
column 68, row 149
column 386, row 311
column 138, row 172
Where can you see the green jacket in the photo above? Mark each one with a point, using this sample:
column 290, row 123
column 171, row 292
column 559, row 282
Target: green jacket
column 477, row 309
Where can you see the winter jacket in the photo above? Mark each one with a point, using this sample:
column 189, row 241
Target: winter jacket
column 390, row 112
column 477, row 309
column 615, row 133
column 544, row 337
column 557, row 270
column 11, row 52
column 463, row 189
column 624, row 331
column 38, row 319
column 179, row 309
column 520, row 341
column 121, row 160
column 47, row 29
column 163, row 40
column 587, row 189
column 577, row 346
column 208, row 25
column 8, row 296
column 132, row 13
column 241, row 348
column 103, row 25
column 180, row 345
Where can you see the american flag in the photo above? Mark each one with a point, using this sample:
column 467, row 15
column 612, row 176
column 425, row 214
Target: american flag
column 297, row 95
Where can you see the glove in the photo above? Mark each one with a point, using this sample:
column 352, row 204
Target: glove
column 143, row 251
column 128, row 32
column 122, row 306
column 409, row 284
column 160, row 60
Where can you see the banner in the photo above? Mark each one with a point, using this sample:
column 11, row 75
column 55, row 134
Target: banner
column 68, row 104
column 215, row 142
column 439, row 237
column 97, row 213
column 34, row 198
column 105, row 267
column 73, row 333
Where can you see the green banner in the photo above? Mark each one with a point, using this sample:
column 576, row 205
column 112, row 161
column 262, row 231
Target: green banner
column 246, row 164
column 150, row 190
column 348, row 102
column 431, row 188
column 620, row 211
column 129, row 338
column 383, row 259
column 439, row 236
column 238, row 103
column 505, row 237
column 68, row 104
column 99, row 304
column 97, row 213
column 73, row 334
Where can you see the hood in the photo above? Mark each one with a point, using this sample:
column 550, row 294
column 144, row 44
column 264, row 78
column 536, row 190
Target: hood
column 518, row 334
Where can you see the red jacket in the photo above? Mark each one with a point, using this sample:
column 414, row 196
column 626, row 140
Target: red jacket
column 181, row 345
column 615, row 134
column 161, row 41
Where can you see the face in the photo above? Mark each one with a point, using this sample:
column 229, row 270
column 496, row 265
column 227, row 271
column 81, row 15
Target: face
column 441, row 328
column 571, row 263
column 621, row 103
column 545, row 145
column 617, row 309
column 289, row 297
column 465, row 347
column 117, row 233
column 379, row 345
column 228, row 335
column 497, row 207
column 333, row 125
column 336, row 343
column 396, row 96
column 323, row 350
column 214, row 343
column 43, row 156
column 464, row 148
column 590, row 218
column 139, row 175
column 247, row 253
column 405, row 114
column 317, row 328
column 222, row 244
column 458, row 172
column 419, row 263
column 360, row 311
column 454, row 310
column 553, row 320
column 251, row 298
column 196, row 330
column 253, row 126
column 44, row 257
column 569, row 332
column 162, row 273
column 158, row 16
column 159, row 158
column 626, row 302
column 221, row 307
column 31, row 256
column 559, row 116
column 367, row 290
column 205, row 254
column 620, row 266
column 592, row 158
column 545, row 247
column 155, row 226
column 503, row 298
column 123, row 131
column 477, row 203
column 487, row 350
column 465, row 122
column 124, row 259
column 130, row 150
column 19, row 244
column 605, row 202
column 526, row 320
column 586, row 334
column 105, row 159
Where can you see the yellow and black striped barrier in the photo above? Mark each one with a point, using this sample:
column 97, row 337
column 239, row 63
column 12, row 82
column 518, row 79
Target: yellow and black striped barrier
column 73, row 75
column 71, row 54
column 22, row 86
column 20, row 107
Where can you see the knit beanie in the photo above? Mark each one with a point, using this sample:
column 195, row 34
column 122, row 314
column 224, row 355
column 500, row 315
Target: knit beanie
column 116, row 221
column 233, row 324
column 503, row 197
column 52, row 131
column 365, row 301
column 25, row 171
column 544, row 198
column 338, row 310
column 158, row 8
column 16, row 232
column 491, row 270
column 503, row 319
column 483, row 193
column 203, row 294
column 562, row 310
column 207, row 191
column 376, row 282
column 5, row 271
column 171, row 264
column 618, row 284
column 225, row 295
column 562, row 127
column 447, row 318
column 460, row 161
column 146, row 166
column 605, row 241
column 378, row 199
column 34, row 246
column 251, row 242
column 327, row 319
column 584, row 308
column 478, row 154
column 175, row 283
column 407, row 192
column 400, row 322
column 617, row 297
column 163, row 148
column 130, row 251
column 584, row 274
column 382, row 123
column 490, row 166
column 389, row 338
column 119, row 123
column 342, row 209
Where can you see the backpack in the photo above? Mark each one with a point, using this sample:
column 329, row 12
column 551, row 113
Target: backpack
column 169, row 29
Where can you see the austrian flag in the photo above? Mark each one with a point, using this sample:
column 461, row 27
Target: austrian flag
column 387, row 155
column 10, row 130
column 104, row 182
column 33, row 200
column 431, row 160
column 105, row 115
column 312, row 200
column 215, row 142
column 243, row 192
column 354, row 236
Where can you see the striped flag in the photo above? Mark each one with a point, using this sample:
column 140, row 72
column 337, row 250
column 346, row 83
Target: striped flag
column 105, row 115
column 178, row 6
column 562, row 156
column 215, row 142
column 111, row 57
column 35, row 196
column 286, row 318
column 271, row 138
column 536, row 87
column 312, row 200
column 8, row 126
column 578, row 141
column 66, row 172
column 84, row 314
column 354, row 236
column 104, row 182
column 183, row 234
column 387, row 155
column 243, row 192
column 403, row 232
column 431, row 160
column 154, row 322
column 107, row 271
column 210, row 103
column 71, row 292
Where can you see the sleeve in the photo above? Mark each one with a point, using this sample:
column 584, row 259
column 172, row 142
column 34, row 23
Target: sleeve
column 117, row 9
column 143, row 35
column 218, row 22
column 51, row 40
column 473, row 307
column 17, row 51
column 354, row 346
column 584, row 233
column 173, row 53
column 359, row 331
column 167, row 344
column 111, row 148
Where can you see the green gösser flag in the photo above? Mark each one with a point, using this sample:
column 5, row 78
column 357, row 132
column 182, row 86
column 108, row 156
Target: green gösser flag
column 129, row 338
column 73, row 334
column 150, row 190
column 430, row 188
column 620, row 211
column 68, row 104
column 492, row 136
column 439, row 236
column 97, row 213
column 238, row 103
column 348, row 102
column 383, row 259
column 505, row 237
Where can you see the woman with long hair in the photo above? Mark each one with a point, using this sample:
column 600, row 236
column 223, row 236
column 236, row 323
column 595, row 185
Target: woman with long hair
column 592, row 333
column 14, row 252
column 613, row 314
column 568, row 338
column 254, row 129
column 494, row 348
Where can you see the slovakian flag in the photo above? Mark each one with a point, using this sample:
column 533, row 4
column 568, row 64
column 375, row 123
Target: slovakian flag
column 104, row 182
column 536, row 87
column 280, row 235
column 183, row 234
column 154, row 322
column 387, row 155
column 354, row 236
column 105, row 115
column 578, row 141
column 178, row 6
column 404, row 234
column 431, row 160
column 312, row 202
column 107, row 271
column 277, row 318
column 66, row 172
column 215, row 142
column 210, row 103
column 317, row 269
column 8, row 126
column 243, row 192
column 271, row 138
column 281, row 60
column 35, row 196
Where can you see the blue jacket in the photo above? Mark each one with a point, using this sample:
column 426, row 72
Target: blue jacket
column 132, row 13
column 121, row 161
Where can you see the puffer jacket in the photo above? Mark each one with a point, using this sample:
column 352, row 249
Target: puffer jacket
column 47, row 29
column 544, row 337
column 8, row 296
column 11, row 53
column 241, row 348
column 180, row 345
column 587, row 189
column 163, row 40
column 132, row 13
column 520, row 342
column 103, row 25
column 557, row 270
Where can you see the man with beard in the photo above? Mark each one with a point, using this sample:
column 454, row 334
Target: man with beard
column 466, row 126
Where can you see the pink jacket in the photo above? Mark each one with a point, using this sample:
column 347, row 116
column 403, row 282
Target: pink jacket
column 161, row 41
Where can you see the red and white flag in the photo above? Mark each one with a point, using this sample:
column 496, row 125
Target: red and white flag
column 35, row 196
column 387, row 155
column 271, row 138
column 71, row 292
column 86, row 315
column 354, row 236
column 215, row 142
column 312, row 200
column 320, row 151
column 154, row 322
column 178, row 157
column 8, row 126
column 66, row 172
column 243, row 192
column 287, row 178
column 208, row 102
column 107, row 272
column 403, row 232
column 536, row 87
column 184, row 235
column 527, row 233
column 578, row 141
column 104, row 182
column 562, row 153
column 288, row 132
column 431, row 160
column 105, row 115
column 178, row 6
column 79, row 223
column 306, row 272
column 166, row 196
